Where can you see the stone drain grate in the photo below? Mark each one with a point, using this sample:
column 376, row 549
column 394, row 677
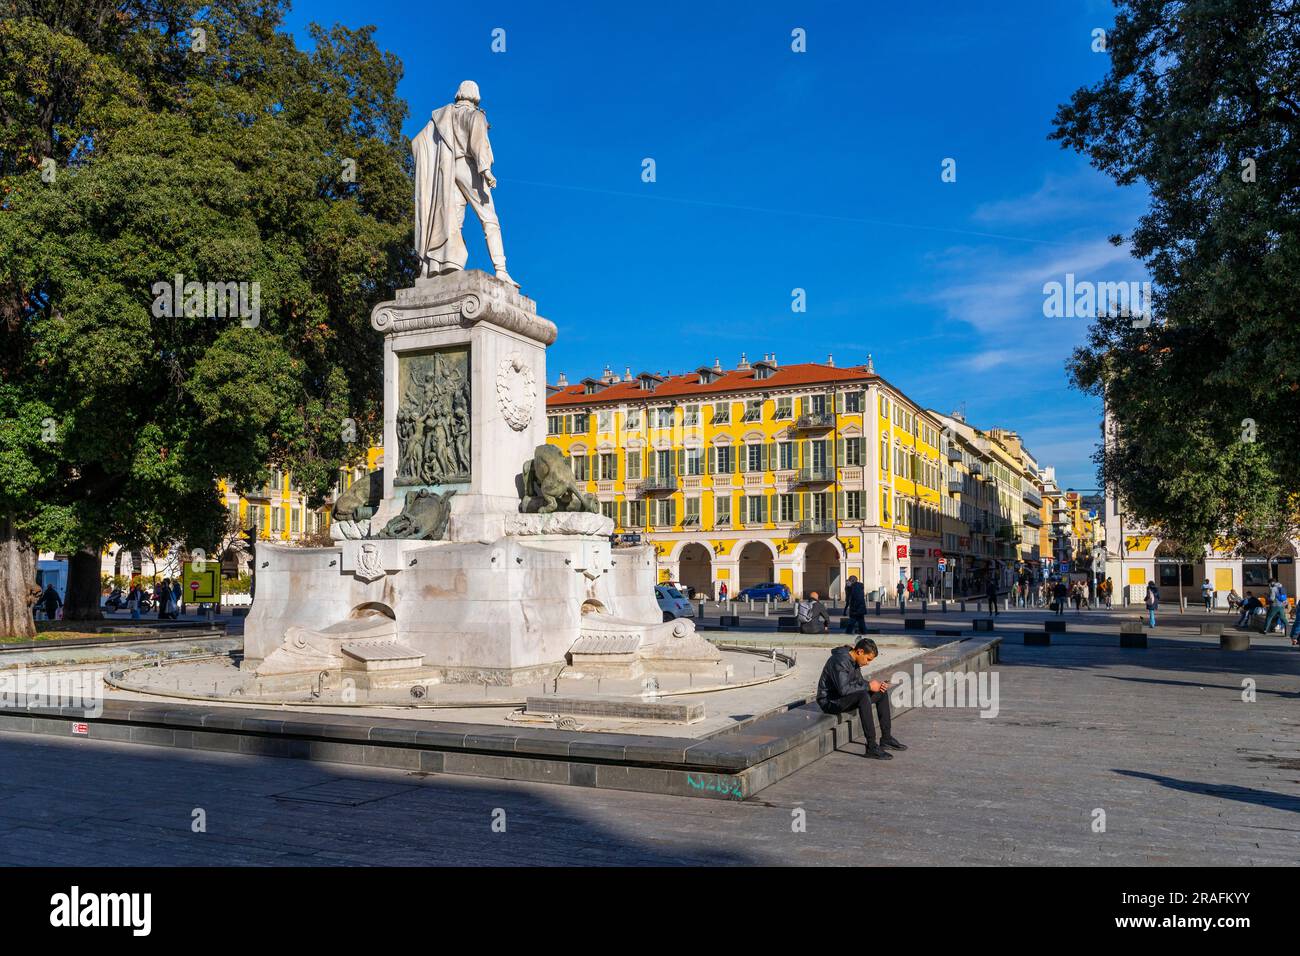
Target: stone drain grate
column 345, row 793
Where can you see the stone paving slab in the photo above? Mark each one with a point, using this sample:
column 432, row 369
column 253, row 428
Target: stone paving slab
column 731, row 765
column 1187, row 772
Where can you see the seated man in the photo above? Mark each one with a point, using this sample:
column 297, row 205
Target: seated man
column 812, row 617
column 1247, row 609
column 841, row 688
column 1234, row 600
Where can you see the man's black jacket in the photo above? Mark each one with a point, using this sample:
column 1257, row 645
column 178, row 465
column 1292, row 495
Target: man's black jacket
column 840, row 677
column 856, row 599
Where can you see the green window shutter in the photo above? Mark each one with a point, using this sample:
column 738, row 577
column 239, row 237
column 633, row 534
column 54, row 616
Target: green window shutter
column 762, row 508
column 843, row 512
column 839, row 451
column 672, row 512
column 742, row 453
column 713, row 455
column 681, row 461
column 805, row 505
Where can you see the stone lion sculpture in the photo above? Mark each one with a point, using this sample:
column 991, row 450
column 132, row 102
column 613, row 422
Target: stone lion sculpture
column 424, row 516
column 549, row 485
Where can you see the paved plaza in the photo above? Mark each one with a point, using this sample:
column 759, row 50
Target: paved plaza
column 1185, row 771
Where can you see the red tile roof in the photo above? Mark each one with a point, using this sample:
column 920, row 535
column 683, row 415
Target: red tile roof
column 732, row 380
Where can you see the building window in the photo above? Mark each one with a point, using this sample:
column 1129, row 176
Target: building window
column 605, row 421
column 579, row 423
column 691, row 513
column 634, row 465
column 784, row 409
column 295, row 521
column 853, row 451
column 754, row 457
column 725, row 463
column 853, row 402
column 785, row 509
column 580, row 467
column 722, row 413
column 694, row 462
column 884, row 408
column 817, row 404
column 853, row 506
column 610, row 510
column 662, row 417
column 609, row 466
column 884, row 455
column 664, row 463
column 722, row 511
column 667, row 512
column 555, row 424
column 633, row 418
column 786, row 456
column 635, row 514
column 691, row 415
column 755, row 509
column 754, row 411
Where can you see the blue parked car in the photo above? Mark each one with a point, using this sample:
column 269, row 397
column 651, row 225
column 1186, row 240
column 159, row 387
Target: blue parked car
column 761, row 592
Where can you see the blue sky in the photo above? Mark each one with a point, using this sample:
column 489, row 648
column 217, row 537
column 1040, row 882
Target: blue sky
column 778, row 170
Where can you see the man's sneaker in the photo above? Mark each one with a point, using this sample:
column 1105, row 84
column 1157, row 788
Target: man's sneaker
column 893, row 743
column 875, row 753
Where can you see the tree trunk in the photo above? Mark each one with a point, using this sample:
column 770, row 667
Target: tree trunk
column 17, row 578
column 81, row 603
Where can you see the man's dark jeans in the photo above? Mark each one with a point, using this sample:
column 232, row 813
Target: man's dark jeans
column 862, row 700
column 858, row 623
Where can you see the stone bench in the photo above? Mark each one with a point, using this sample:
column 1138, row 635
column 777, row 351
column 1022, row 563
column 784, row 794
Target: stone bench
column 1239, row 641
column 983, row 624
column 1054, row 627
column 729, row 620
column 1212, row 630
column 1038, row 638
column 1132, row 635
column 913, row 623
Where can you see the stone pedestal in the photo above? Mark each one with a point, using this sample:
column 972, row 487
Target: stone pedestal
column 504, row 342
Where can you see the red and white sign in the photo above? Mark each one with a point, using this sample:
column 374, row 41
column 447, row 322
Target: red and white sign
column 82, row 729
column 194, row 585
column 936, row 553
column 902, row 550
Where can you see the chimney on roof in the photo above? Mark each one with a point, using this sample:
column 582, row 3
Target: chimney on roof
column 627, row 373
column 609, row 378
column 562, row 381
column 773, row 360
column 830, row 359
column 717, row 364
column 871, row 367
column 744, row 363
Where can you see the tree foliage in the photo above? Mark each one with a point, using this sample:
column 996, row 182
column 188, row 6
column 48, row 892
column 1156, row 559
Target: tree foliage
column 1202, row 105
column 220, row 156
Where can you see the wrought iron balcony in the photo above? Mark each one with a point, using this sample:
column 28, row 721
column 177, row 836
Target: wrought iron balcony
column 815, row 526
column 1033, row 520
column 654, row 483
column 816, row 473
column 955, row 485
column 952, row 452
column 815, row 420
column 1031, row 496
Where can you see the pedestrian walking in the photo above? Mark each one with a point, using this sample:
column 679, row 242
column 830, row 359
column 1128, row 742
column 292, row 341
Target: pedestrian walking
column 1059, row 594
column 133, row 600
column 722, row 592
column 1152, row 602
column 50, row 602
column 855, row 606
column 1207, row 595
column 177, row 594
column 1276, row 610
column 902, row 597
column 991, row 593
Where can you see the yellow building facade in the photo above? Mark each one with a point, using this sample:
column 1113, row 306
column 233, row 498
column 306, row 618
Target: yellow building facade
column 800, row 475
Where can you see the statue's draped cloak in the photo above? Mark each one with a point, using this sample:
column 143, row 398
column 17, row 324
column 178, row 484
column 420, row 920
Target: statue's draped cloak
column 455, row 134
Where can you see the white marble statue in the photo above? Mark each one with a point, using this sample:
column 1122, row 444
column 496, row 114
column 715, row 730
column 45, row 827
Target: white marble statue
column 453, row 167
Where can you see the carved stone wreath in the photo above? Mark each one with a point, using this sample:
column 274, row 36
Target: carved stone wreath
column 516, row 391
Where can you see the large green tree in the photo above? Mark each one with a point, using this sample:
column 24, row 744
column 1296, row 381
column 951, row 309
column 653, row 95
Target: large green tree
column 142, row 140
column 1201, row 104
